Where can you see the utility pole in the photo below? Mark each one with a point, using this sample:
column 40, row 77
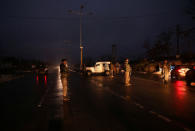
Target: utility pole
column 81, row 42
column 178, row 37
column 80, row 13
column 178, row 34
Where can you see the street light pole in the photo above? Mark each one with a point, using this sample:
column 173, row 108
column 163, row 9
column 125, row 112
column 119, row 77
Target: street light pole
column 81, row 45
column 80, row 13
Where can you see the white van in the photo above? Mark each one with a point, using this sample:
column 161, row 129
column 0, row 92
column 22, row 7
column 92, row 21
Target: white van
column 99, row 68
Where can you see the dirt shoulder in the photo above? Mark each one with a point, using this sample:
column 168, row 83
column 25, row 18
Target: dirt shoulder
column 9, row 77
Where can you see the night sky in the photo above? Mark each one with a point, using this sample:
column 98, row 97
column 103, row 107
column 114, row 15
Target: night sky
column 43, row 29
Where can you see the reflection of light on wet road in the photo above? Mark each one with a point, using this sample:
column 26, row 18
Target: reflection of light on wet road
column 180, row 87
column 41, row 79
column 176, row 98
column 37, row 80
column 45, row 80
column 98, row 81
column 180, row 97
column 100, row 78
column 59, row 84
column 98, row 84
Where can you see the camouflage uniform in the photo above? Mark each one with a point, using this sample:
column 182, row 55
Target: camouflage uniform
column 127, row 73
column 165, row 72
column 64, row 75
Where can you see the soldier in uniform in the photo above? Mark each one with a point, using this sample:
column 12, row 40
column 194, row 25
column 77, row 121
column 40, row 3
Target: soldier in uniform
column 64, row 74
column 165, row 71
column 127, row 72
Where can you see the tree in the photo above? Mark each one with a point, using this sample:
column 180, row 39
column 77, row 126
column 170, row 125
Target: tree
column 191, row 8
column 161, row 48
column 165, row 41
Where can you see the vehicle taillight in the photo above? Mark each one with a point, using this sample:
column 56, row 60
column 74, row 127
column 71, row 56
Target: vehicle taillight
column 180, row 70
column 183, row 71
column 194, row 67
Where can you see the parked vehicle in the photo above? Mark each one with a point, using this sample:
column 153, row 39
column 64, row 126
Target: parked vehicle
column 190, row 76
column 179, row 72
column 41, row 70
column 99, row 68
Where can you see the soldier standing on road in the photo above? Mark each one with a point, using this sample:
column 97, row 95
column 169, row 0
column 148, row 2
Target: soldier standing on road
column 64, row 75
column 127, row 72
column 165, row 71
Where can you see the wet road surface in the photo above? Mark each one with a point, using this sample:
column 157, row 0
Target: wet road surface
column 97, row 103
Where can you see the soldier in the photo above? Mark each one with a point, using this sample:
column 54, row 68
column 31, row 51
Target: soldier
column 127, row 72
column 165, row 71
column 64, row 74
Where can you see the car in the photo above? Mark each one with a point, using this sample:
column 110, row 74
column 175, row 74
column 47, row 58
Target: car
column 179, row 72
column 190, row 76
column 101, row 67
column 41, row 70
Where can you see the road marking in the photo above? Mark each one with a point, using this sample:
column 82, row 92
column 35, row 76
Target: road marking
column 152, row 112
column 122, row 97
column 156, row 82
column 139, row 105
column 160, row 116
column 164, row 118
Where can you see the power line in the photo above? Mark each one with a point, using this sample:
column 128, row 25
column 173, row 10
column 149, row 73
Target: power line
column 101, row 18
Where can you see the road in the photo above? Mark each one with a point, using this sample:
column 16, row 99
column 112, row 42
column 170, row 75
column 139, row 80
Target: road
column 97, row 103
